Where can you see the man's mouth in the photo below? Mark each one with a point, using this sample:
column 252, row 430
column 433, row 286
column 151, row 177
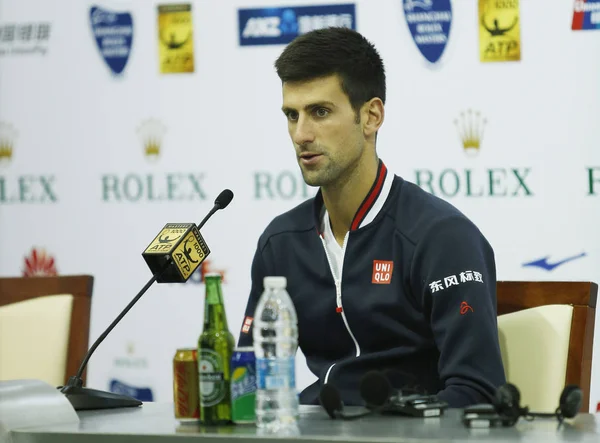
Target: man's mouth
column 308, row 155
column 309, row 158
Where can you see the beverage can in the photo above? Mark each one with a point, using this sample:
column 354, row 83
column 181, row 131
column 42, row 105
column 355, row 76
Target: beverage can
column 243, row 385
column 186, row 396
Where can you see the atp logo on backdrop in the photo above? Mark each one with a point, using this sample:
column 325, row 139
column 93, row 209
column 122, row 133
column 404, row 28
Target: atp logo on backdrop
column 24, row 188
column 276, row 26
column 429, row 24
column 473, row 181
column 39, row 264
column 175, row 36
column 153, row 186
column 586, row 15
column 499, row 30
column 113, row 33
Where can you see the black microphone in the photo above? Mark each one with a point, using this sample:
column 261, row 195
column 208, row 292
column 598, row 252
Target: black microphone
column 162, row 264
column 334, row 406
column 377, row 392
column 221, row 202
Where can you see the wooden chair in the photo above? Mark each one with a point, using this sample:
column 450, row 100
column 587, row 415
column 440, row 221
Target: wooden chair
column 578, row 301
column 75, row 296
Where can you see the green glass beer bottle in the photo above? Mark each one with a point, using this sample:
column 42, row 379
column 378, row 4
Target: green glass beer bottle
column 215, row 348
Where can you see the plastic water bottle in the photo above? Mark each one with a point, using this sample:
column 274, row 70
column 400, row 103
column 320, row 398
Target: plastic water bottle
column 275, row 337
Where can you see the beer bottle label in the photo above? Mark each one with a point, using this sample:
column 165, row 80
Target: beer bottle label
column 211, row 377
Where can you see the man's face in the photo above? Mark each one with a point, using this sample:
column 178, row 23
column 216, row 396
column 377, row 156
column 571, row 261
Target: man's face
column 322, row 124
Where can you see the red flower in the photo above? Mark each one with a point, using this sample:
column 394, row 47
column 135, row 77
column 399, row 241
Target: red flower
column 39, row 264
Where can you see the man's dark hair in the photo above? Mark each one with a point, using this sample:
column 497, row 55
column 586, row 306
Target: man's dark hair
column 339, row 51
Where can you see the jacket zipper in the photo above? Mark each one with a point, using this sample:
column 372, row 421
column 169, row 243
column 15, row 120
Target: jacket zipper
column 338, row 295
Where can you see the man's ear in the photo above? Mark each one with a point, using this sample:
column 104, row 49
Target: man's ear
column 372, row 113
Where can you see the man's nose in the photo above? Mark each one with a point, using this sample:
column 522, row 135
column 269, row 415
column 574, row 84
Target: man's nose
column 303, row 131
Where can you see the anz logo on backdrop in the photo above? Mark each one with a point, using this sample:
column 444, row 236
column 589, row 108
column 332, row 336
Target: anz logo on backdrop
column 276, row 26
column 586, row 15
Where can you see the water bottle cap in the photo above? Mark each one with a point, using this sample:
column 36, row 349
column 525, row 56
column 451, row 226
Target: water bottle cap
column 275, row 282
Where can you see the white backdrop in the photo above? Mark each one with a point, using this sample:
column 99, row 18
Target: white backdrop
column 69, row 125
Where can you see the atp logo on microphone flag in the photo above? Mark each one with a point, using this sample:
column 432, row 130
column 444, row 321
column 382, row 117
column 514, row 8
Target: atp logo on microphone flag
column 181, row 242
column 429, row 23
column 114, row 35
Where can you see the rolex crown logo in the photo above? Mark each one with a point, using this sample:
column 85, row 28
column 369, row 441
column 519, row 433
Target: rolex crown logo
column 8, row 135
column 151, row 132
column 470, row 127
column 130, row 347
column 152, row 148
column 6, row 149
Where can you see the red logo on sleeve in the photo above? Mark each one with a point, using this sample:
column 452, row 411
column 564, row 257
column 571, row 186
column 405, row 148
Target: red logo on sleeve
column 382, row 272
column 464, row 308
column 247, row 324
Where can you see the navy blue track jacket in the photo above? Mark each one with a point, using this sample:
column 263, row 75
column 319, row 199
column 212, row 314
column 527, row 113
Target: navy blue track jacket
column 417, row 297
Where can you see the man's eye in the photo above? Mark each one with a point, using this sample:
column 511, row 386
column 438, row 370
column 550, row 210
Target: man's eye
column 322, row 112
column 292, row 115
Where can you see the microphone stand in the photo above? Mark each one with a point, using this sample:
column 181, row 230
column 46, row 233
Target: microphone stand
column 86, row 398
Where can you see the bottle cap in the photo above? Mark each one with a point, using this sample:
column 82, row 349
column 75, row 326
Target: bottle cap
column 275, row 282
column 213, row 274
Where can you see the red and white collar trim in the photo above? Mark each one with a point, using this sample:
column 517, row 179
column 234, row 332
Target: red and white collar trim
column 373, row 202
column 376, row 197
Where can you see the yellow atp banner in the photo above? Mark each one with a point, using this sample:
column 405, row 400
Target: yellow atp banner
column 499, row 30
column 175, row 38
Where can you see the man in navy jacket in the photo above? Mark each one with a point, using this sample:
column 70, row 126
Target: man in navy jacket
column 383, row 275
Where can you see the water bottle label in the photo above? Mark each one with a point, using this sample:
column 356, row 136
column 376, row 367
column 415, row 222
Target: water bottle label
column 276, row 373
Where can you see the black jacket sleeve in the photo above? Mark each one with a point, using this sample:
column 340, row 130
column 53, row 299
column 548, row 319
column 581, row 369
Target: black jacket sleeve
column 455, row 276
column 258, row 272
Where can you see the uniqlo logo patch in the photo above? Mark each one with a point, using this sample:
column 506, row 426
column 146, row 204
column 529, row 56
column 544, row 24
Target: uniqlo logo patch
column 382, row 272
column 247, row 324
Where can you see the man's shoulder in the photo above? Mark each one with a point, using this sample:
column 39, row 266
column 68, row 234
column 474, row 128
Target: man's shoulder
column 297, row 219
column 418, row 212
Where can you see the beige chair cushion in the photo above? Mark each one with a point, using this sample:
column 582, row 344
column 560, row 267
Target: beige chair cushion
column 34, row 338
column 535, row 345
